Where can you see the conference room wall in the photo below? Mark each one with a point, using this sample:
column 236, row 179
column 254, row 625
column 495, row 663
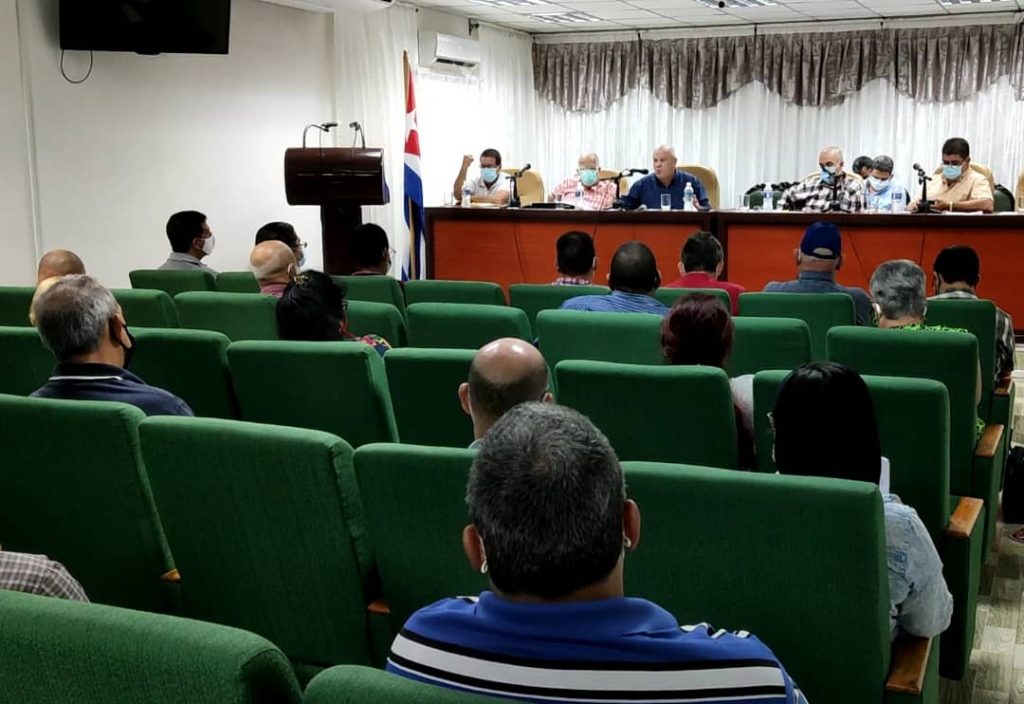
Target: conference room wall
column 145, row 136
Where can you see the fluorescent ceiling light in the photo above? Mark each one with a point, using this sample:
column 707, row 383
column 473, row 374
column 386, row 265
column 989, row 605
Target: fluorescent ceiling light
column 565, row 17
column 968, row 2
column 510, row 3
column 731, row 4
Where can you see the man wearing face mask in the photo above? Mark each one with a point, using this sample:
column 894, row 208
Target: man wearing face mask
column 284, row 232
column 882, row 186
column 829, row 190
column 82, row 324
column 491, row 186
column 597, row 195
column 960, row 188
column 191, row 240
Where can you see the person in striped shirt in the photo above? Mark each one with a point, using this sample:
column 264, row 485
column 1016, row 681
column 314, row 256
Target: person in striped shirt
column 633, row 278
column 550, row 528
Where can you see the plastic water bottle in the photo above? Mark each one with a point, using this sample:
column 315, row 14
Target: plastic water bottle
column 467, row 196
column 688, row 198
column 768, row 202
column 579, row 195
column 899, row 199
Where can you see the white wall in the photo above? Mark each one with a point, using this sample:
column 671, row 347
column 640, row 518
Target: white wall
column 146, row 136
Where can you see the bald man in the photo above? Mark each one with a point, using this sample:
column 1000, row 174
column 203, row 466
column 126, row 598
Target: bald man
column 665, row 178
column 58, row 262
column 595, row 194
column 274, row 266
column 503, row 374
column 829, row 190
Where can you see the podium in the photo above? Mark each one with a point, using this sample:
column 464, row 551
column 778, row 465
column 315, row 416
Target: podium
column 340, row 181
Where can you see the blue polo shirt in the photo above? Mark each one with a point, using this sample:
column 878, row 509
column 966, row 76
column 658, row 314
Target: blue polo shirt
column 824, row 282
column 647, row 191
column 616, row 302
column 605, row 650
column 103, row 382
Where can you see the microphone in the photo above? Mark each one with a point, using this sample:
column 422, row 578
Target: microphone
column 323, row 127
column 358, row 132
column 524, row 170
column 918, row 169
column 633, row 172
column 328, row 125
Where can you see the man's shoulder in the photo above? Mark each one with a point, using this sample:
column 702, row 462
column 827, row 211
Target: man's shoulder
column 781, row 286
column 582, row 302
column 154, row 400
column 857, row 293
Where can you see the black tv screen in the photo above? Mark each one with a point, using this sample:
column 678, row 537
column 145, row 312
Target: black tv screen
column 146, row 26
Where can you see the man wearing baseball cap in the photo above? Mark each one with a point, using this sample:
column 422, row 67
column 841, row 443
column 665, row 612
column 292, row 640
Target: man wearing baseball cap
column 819, row 257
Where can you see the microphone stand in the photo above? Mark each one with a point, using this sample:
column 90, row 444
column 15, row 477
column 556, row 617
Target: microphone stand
column 924, row 206
column 836, row 206
column 513, row 201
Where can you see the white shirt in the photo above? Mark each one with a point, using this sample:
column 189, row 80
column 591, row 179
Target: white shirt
column 479, row 188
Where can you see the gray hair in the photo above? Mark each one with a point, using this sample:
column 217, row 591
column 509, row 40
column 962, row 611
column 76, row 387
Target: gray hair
column 883, row 163
column 73, row 316
column 898, row 289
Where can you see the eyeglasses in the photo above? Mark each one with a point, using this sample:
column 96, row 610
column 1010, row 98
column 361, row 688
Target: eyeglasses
column 950, row 162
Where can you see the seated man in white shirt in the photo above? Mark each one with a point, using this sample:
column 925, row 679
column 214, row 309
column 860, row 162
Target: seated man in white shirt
column 491, row 186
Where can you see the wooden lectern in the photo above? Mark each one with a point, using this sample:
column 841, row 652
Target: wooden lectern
column 340, row 181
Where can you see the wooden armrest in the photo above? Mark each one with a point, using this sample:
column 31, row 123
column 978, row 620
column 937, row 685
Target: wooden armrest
column 1004, row 386
column 909, row 663
column 379, row 607
column 172, row 576
column 989, row 443
column 961, row 523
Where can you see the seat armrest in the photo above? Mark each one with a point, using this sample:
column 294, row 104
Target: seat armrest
column 1004, row 386
column 989, row 442
column 379, row 607
column 961, row 523
column 909, row 663
column 172, row 576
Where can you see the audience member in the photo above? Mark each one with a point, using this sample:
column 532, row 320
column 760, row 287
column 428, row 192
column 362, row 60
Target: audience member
column 284, row 232
column 58, row 262
column 597, row 194
column 961, row 188
column 81, row 323
column 824, row 423
column 699, row 330
column 862, row 166
column 700, row 264
column 634, row 277
column 831, row 189
column 313, row 307
column 370, row 250
column 665, row 179
column 882, row 186
column 38, row 574
column 957, row 273
column 818, row 258
column 191, row 240
column 503, row 374
column 550, row 527
column 274, row 266
column 491, row 186
column 41, row 288
column 576, row 261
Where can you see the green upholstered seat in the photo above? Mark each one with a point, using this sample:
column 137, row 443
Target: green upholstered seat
column 424, row 386
column 173, row 282
column 434, row 291
column 74, row 488
column 191, row 364
column 376, row 289
column 147, row 308
column 268, row 531
column 633, row 338
column 384, row 319
column 240, row 316
column 464, row 325
column 669, row 296
column 353, row 683
column 337, row 387
column 15, row 302
column 768, row 343
column 649, row 412
column 414, row 498
column 821, row 312
column 533, row 298
column 26, row 362
column 799, row 562
column 979, row 318
column 237, row 282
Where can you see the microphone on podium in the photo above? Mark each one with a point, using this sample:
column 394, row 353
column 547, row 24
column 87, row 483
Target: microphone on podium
column 919, row 170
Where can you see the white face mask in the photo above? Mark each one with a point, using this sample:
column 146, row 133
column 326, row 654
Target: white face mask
column 302, row 260
column 208, row 245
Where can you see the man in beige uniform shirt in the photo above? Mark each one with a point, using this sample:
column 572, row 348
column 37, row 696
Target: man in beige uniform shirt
column 960, row 188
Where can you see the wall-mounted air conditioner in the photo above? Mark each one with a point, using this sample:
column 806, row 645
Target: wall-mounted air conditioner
column 440, row 50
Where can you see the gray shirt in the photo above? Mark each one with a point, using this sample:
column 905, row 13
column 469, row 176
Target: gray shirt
column 182, row 261
column 824, row 282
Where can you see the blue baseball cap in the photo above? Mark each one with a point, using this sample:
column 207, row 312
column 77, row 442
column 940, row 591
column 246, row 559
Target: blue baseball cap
column 822, row 241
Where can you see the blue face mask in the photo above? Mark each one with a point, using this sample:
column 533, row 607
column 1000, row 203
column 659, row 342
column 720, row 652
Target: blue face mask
column 489, row 174
column 879, row 185
column 827, row 172
column 952, row 173
column 588, row 177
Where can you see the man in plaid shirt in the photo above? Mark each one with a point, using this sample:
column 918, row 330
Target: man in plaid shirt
column 820, row 192
column 597, row 194
column 37, row 574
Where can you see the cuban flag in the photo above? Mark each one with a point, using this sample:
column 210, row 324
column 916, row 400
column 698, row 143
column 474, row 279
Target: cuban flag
column 414, row 213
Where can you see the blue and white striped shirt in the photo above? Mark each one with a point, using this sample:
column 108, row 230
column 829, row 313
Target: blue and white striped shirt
column 617, row 302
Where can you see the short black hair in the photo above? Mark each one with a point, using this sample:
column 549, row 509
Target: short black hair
column 702, row 252
column 957, row 146
column 312, row 307
column 368, row 244
column 862, row 162
column 279, row 231
column 958, row 263
column 546, row 495
column 184, row 227
column 634, row 269
column 575, row 253
column 825, row 424
column 494, row 399
column 493, row 153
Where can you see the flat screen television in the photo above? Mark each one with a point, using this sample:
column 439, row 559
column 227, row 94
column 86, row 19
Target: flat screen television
column 146, row 26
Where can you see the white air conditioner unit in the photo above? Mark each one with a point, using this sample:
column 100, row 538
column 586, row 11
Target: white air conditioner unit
column 437, row 49
column 333, row 5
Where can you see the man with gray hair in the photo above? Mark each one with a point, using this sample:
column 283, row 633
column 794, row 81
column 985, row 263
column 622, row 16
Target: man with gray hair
column 882, row 187
column 595, row 194
column 831, row 189
column 665, row 179
column 82, row 324
column 273, row 264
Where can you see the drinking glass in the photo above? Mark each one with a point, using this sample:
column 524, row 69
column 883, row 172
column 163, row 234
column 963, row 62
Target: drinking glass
column 666, row 201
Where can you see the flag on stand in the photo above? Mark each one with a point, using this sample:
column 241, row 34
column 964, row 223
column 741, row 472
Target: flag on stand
column 413, row 201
